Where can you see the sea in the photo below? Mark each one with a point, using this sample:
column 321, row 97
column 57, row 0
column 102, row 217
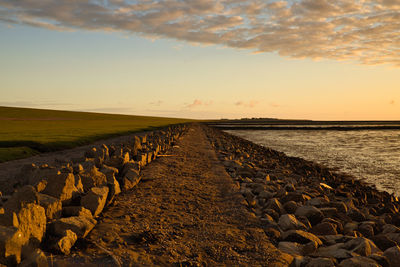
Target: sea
column 372, row 155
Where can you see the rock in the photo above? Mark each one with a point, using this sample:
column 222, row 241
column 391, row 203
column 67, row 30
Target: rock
column 313, row 214
column 95, row 199
column 61, row 186
column 272, row 213
column 361, row 246
column 318, row 201
column 359, row 261
column 380, row 259
column 283, row 259
column 350, row 227
column 390, row 228
column 130, row 179
column 329, row 212
column 93, row 178
column 383, row 242
column 272, row 233
column 117, row 161
column 339, row 226
column 76, row 211
column 340, row 206
column 335, row 251
column 393, row 256
column 35, row 258
column 11, row 243
column 300, row 236
column 51, row 205
column 324, row 228
column 289, row 222
column 65, row 243
column 310, row 248
column 290, row 248
column 321, row 262
column 80, row 225
column 275, row 205
column 290, row 207
column 356, row 215
column 366, row 229
column 112, row 183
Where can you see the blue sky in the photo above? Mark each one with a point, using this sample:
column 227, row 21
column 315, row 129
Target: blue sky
column 111, row 70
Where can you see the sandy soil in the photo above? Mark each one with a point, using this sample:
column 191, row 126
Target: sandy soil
column 186, row 211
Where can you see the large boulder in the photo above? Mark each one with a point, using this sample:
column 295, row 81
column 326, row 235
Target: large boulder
column 95, row 199
column 11, row 243
column 61, row 186
column 76, row 211
column 130, row 179
column 91, row 177
column 65, row 243
column 51, row 205
column 35, row 258
column 80, row 225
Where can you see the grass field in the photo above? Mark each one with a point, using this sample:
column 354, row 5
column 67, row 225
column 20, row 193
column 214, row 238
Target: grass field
column 25, row 132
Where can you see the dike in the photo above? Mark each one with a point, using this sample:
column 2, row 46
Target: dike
column 212, row 189
column 56, row 205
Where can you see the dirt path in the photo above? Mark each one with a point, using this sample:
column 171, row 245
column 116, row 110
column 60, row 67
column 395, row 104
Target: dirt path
column 186, row 211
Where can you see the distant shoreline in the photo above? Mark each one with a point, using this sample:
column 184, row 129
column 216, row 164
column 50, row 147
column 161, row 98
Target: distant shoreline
column 307, row 128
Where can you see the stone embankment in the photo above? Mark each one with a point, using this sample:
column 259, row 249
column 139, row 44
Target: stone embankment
column 55, row 206
column 320, row 217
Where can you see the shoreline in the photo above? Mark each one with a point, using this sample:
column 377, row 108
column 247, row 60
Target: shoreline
column 312, row 214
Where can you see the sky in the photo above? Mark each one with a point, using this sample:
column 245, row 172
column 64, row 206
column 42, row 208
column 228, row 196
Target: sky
column 298, row 59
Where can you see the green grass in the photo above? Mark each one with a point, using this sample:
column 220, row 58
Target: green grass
column 25, row 132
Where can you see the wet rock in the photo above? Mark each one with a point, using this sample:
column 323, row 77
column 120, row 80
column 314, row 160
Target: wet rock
column 289, row 222
column 95, row 199
column 324, row 228
column 61, row 186
column 51, row 205
column 393, row 256
column 313, row 214
column 65, row 243
column 300, row 236
column 321, row 262
column 130, row 179
column 359, row 261
column 80, row 225
column 11, row 243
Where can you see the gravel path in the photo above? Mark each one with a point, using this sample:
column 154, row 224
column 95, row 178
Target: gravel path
column 186, row 211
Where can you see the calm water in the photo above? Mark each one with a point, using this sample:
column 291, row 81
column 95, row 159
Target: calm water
column 373, row 155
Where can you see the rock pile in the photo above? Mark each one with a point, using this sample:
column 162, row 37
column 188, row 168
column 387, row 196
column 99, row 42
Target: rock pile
column 56, row 205
column 320, row 217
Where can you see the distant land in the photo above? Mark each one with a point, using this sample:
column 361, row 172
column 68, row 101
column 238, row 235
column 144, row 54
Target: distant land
column 288, row 124
column 25, row 131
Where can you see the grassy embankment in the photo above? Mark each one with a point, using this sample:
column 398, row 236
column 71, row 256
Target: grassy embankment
column 25, row 132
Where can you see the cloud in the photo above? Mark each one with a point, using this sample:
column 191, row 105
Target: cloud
column 363, row 31
column 250, row 104
column 198, row 102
